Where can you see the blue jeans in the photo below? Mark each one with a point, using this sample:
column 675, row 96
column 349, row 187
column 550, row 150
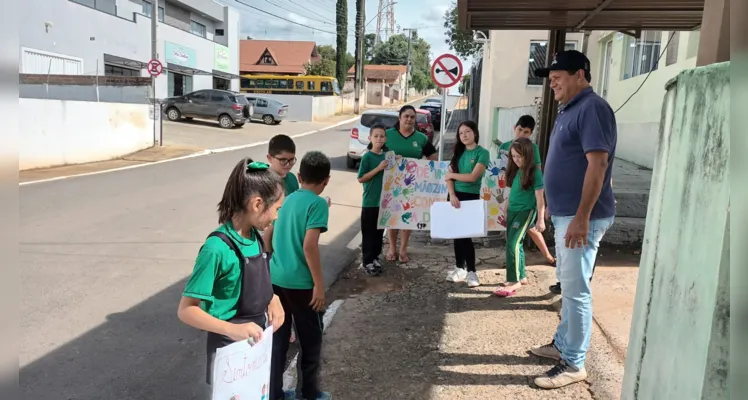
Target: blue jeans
column 574, row 270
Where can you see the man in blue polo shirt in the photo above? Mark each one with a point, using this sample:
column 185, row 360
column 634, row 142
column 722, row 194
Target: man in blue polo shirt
column 580, row 201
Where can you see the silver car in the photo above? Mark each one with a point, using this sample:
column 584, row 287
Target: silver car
column 359, row 137
column 270, row 111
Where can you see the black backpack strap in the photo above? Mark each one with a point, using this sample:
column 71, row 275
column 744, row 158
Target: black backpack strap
column 232, row 245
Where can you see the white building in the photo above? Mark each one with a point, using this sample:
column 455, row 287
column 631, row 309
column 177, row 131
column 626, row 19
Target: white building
column 630, row 74
column 198, row 41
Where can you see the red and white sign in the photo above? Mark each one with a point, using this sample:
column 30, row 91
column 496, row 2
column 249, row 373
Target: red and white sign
column 155, row 67
column 446, row 71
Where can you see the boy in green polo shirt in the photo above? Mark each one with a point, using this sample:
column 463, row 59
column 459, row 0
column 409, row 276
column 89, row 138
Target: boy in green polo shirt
column 296, row 274
column 523, row 129
column 282, row 157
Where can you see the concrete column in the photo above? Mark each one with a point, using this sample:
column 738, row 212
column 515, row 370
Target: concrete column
column 714, row 40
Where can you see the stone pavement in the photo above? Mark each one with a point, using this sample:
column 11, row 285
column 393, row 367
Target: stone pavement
column 410, row 334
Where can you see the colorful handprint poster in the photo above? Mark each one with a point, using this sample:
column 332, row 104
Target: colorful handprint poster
column 496, row 193
column 410, row 187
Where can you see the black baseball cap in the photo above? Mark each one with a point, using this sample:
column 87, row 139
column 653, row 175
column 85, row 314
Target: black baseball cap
column 569, row 60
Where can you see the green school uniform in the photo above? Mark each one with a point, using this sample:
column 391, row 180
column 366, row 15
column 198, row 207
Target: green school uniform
column 373, row 187
column 467, row 162
column 216, row 277
column 303, row 210
column 411, row 147
column 290, row 183
column 507, row 145
column 521, row 199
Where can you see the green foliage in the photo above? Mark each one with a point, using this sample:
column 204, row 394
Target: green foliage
column 460, row 41
column 369, row 41
column 395, row 52
column 465, row 84
column 321, row 67
column 327, row 52
column 341, row 20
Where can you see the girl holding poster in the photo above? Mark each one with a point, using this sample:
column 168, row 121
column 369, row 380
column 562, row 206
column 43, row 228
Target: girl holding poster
column 466, row 169
column 526, row 203
column 229, row 294
column 370, row 174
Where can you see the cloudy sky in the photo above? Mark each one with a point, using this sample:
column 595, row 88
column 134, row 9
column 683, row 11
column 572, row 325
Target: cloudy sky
column 319, row 17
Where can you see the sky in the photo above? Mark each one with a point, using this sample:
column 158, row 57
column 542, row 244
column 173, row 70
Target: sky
column 319, row 16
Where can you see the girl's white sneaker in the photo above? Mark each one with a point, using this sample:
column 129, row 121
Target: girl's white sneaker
column 472, row 279
column 457, row 275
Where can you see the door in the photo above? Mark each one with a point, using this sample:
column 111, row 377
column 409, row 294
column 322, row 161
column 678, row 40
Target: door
column 607, row 60
column 261, row 108
column 201, row 102
column 191, row 107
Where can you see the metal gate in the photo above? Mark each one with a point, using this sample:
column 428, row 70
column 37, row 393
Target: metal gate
column 43, row 62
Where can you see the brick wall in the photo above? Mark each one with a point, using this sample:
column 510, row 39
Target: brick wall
column 83, row 80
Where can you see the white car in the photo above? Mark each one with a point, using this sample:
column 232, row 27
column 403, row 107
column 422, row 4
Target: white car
column 359, row 137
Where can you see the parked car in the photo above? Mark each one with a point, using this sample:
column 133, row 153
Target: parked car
column 270, row 111
column 433, row 100
column 436, row 113
column 359, row 137
column 423, row 121
column 228, row 108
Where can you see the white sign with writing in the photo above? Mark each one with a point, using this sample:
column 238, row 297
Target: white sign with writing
column 242, row 371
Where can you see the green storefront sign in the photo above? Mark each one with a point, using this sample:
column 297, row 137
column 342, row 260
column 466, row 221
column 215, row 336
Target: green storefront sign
column 221, row 58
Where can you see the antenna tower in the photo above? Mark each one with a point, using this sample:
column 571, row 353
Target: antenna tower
column 385, row 20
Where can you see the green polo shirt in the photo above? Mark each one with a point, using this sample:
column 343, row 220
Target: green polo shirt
column 372, row 187
column 521, row 199
column 216, row 277
column 303, row 210
column 467, row 162
column 290, row 183
column 507, row 145
column 411, row 146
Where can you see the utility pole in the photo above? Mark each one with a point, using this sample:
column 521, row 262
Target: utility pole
column 407, row 64
column 359, row 71
column 154, row 56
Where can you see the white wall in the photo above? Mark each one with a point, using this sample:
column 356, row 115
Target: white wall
column 74, row 132
column 639, row 120
column 324, row 107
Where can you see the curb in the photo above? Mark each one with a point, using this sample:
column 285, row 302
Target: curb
column 289, row 376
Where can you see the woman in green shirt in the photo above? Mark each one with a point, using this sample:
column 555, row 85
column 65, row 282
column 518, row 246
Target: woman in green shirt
column 466, row 169
column 526, row 202
column 229, row 294
column 405, row 141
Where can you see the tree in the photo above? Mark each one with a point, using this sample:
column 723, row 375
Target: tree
column 420, row 80
column 460, row 41
column 326, row 52
column 370, row 40
column 465, row 84
column 341, row 65
column 395, row 52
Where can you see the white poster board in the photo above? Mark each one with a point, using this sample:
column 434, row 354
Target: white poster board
column 468, row 221
column 242, row 371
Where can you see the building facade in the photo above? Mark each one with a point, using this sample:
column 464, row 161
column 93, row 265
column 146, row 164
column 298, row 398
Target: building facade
column 508, row 87
column 276, row 57
column 631, row 74
column 197, row 41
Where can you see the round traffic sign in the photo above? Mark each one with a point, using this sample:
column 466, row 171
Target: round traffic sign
column 155, row 67
column 446, row 71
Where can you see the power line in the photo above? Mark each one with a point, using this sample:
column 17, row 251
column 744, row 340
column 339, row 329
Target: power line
column 285, row 19
column 302, row 16
column 672, row 35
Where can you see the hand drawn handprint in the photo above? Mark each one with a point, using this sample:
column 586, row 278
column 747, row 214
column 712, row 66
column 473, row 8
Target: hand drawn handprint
column 406, row 217
column 406, row 206
column 386, row 215
column 494, row 169
column 409, row 179
column 388, row 183
column 489, row 181
column 396, row 207
column 386, row 200
column 407, row 192
column 401, row 167
column 398, row 190
column 486, row 194
column 431, row 166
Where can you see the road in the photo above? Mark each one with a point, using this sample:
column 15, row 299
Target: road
column 105, row 258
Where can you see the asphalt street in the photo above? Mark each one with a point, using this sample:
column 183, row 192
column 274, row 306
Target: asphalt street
column 104, row 261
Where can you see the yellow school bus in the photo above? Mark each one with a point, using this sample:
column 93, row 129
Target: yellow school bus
column 283, row 84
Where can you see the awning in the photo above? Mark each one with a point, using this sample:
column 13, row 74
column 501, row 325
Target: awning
column 575, row 15
column 179, row 69
column 225, row 75
column 123, row 62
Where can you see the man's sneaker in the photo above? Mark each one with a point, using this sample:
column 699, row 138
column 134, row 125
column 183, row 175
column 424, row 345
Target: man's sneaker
column 555, row 289
column 547, row 351
column 289, row 394
column 561, row 375
column 371, row 269
column 457, row 275
column 472, row 279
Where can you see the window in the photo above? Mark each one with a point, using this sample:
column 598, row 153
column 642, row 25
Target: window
column 148, row 8
column 310, row 85
column 276, row 83
column 246, row 83
column 267, row 59
column 283, row 84
column 199, row 96
column 325, row 87
column 671, row 57
column 113, row 70
column 642, row 53
column 198, row 29
column 369, row 120
column 219, row 32
column 262, row 103
column 300, row 85
column 538, row 53
column 290, row 83
column 218, row 97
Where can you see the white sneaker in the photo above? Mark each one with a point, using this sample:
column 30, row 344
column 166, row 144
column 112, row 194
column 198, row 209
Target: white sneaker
column 457, row 275
column 472, row 279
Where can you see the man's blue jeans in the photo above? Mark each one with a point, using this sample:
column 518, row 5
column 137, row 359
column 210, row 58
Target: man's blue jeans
column 574, row 271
